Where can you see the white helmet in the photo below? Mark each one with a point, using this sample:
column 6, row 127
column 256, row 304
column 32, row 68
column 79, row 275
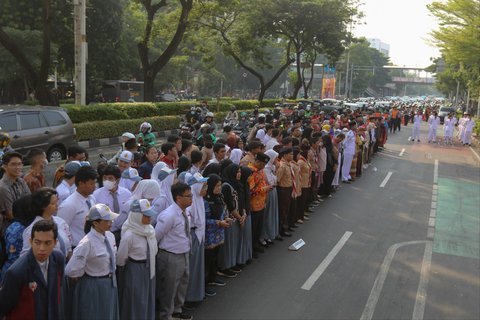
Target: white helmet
column 145, row 127
column 209, row 114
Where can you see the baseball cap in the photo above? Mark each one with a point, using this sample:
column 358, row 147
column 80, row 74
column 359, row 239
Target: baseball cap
column 143, row 206
column 101, row 211
column 191, row 179
column 72, row 167
column 131, row 174
column 165, row 171
column 126, row 156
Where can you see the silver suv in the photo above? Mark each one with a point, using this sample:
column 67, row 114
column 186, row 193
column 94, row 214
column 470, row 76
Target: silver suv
column 47, row 128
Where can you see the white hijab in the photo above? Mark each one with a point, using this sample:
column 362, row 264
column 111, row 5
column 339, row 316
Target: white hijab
column 236, row 156
column 197, row 211
column 146, row 189
column 270, row 167
column 135, row 225
column 165, row 184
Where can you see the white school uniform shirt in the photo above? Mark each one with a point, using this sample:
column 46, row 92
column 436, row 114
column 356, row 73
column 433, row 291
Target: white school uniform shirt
column 433, row 122
column 469, row 125
column 64, row 190
column 417, row 120
column 64, row 243
column 91, row 256
column 271, row 143
column 170, row 230
column 74, row 211
column 103, row 195
column 349, row 143
column 132, row 245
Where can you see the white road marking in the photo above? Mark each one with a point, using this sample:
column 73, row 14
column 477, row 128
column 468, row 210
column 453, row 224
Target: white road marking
column 435, row 173
column 324, row 264
column 419, row 308
column 402, row 152
column 380, row 279
column 382, row 185
column 476, row 154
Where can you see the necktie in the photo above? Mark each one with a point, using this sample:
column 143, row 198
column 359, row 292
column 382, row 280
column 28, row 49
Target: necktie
column 112, row 261
column 89, row 204
column 116, row 206
column 187, row 231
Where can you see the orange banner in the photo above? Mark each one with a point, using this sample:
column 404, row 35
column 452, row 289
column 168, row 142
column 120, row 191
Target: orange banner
column 328, row 88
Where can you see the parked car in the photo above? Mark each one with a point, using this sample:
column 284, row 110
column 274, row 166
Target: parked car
column 46, row 128
column 166, row 97
column 444, row 112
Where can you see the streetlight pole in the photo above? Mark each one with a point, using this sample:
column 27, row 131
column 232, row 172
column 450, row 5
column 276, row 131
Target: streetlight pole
column 55, row 84
column 79, row 13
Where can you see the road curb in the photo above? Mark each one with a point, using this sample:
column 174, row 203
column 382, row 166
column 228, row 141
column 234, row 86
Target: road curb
column 104, row 142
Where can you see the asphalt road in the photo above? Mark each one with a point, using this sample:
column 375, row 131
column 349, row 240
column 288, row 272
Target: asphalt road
column 392, row 265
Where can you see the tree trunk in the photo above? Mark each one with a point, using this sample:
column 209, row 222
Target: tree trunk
column 298, row 83
column 149, row 91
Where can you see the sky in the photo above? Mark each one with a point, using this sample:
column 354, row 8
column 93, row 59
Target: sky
column 404, row 25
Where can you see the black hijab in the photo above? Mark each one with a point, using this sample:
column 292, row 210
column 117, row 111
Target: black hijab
column 229, row 175
column 215, row 201
column 212, row 168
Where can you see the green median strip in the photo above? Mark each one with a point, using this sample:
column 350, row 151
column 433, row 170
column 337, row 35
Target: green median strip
column 457, row 226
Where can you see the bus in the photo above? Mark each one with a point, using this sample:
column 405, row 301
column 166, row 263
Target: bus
column 122, row 91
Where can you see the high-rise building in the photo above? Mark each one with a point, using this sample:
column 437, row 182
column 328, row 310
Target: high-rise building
column 379, row 45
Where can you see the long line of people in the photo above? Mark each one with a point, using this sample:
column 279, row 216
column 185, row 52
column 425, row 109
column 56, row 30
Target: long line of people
column 111, row 243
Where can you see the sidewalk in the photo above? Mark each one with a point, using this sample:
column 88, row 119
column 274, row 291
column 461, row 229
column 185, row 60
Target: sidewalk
column 95, row 143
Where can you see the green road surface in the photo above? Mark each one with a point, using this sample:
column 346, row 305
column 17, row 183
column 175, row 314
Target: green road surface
column 457, row 227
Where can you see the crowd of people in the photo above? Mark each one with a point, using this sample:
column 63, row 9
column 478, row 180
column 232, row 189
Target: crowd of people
column 151, row 232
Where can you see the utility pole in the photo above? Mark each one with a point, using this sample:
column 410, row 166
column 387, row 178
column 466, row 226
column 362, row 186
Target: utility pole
column 80, row 31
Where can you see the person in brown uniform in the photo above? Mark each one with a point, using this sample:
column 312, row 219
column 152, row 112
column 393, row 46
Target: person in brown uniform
column 284, row 188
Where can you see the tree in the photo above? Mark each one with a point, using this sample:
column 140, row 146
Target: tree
column 164, row 25
column 458, row 40
column 37, row 76
column 240, row 35
column 310, row 25
column 367, row 67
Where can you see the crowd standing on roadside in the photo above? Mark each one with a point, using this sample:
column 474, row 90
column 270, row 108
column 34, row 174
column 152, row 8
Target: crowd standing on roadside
column 151, row 232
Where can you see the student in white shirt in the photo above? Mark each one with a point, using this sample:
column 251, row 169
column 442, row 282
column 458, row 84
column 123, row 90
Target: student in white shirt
column 92, row 267
column 67, row 186
column 136, row 254
column 114, row 196
column 44, row 205
column 130, row 176
column 75, row 208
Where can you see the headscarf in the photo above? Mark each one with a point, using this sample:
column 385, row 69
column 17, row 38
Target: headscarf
column 236, row 156
column 212, row 168
column 165, row 184
column 197, row 209
column 135, row 225
column 146, row 189
column 246, row 173
column 270, row 167
column 215, row 201
column 229, row 175
column 223, row 164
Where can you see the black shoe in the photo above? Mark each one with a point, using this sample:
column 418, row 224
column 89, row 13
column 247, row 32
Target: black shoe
column 347, row 182
column 189, row 306
column 264, row 244
column 248, row 262
column 227, row 273
column 295, row 225
column 209, row 292
column 290, row 229
column 285, row 234
column 217, row 282
column 279, row 238
column 236, row 269
column 181, row 316
column 269, row 242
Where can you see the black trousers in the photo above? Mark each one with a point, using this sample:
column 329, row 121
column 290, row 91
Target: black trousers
column 211, row 257
column 284, row 200
column 257, row 225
